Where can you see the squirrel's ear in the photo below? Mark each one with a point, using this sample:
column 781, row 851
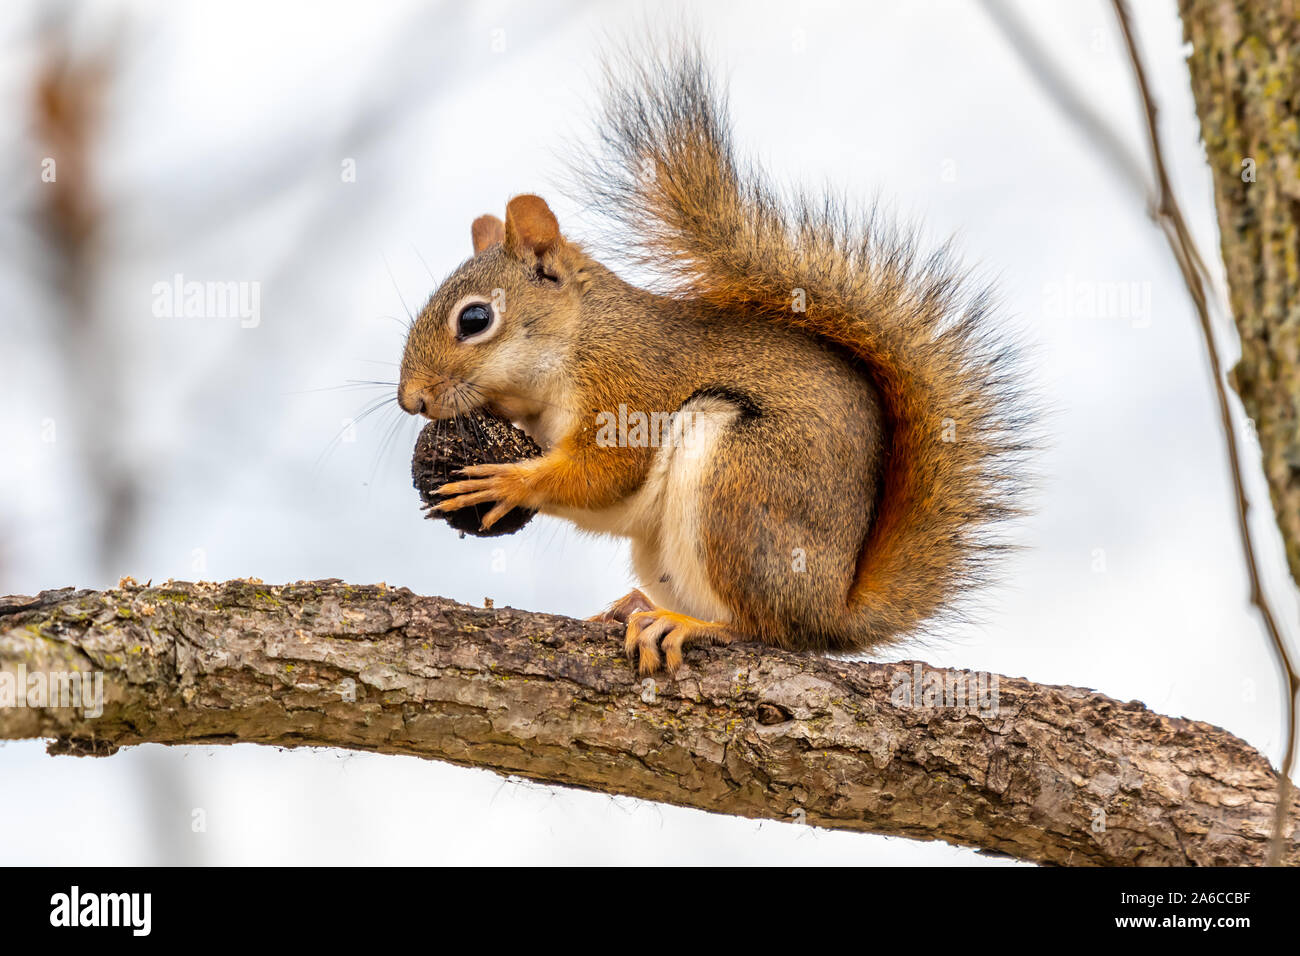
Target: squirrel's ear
column 487, row 231
column 531, row 227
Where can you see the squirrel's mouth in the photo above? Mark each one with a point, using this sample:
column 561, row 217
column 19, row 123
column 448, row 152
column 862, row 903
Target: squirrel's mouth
column 439, row 399
column 447, row 398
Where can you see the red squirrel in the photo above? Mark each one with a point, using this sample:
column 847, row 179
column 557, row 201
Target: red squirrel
column 840, row 426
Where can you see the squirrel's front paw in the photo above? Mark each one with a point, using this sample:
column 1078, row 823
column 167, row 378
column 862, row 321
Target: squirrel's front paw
column 648, row 631
column 509, row 485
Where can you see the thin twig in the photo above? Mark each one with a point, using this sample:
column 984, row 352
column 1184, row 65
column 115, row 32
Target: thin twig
column 1058, row 87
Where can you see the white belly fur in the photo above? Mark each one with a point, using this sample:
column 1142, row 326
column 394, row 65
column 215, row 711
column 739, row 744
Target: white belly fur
column 662, row 518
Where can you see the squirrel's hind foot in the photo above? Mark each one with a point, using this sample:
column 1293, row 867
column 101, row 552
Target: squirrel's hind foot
column 650, row 631
column 629, row 604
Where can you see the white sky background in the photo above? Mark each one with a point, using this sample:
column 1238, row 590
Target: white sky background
column 229, row 425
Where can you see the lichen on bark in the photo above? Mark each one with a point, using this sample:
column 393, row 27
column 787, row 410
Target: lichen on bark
column 1245, row 70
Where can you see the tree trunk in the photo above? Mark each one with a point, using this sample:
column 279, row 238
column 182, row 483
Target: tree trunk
column 1245, row 69
column 1047, row 774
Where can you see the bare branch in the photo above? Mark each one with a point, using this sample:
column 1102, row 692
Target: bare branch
column 1048, row 774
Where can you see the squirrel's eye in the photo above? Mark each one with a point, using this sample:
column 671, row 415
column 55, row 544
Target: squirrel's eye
column 473, row 319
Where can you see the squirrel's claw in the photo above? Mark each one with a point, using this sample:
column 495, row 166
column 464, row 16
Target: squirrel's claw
column 649, row 631
column 502, row 509
column 505, row 484
column 461, row 500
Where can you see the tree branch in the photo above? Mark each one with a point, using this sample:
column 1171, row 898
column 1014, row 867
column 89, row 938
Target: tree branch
column 1041, row 773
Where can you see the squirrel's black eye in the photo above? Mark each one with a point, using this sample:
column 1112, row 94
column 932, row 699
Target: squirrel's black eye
column 473, row 319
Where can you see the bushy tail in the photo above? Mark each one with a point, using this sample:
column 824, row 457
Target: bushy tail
column 714, row 229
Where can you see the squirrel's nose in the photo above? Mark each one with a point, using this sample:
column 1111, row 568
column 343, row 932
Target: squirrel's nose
column 412, row 404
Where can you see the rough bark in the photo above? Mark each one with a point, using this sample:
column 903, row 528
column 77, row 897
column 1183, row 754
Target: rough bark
column 1051, row 774
column 1245, row 69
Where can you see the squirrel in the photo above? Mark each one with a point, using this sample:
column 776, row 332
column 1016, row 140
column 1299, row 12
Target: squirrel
column 839, row 427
